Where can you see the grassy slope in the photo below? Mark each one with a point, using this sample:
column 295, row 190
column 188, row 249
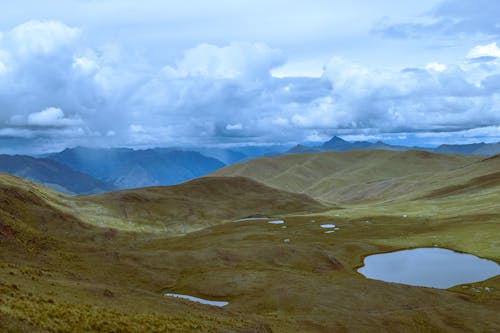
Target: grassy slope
column 350, row 177
column 190, row 206
column 59, row 273
column 308, row 284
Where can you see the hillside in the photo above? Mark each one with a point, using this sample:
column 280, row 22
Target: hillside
column 196, row 204
column 60, row 273
column 102, row 262
column 128, row 168
column 52, row 174
column 352, row 176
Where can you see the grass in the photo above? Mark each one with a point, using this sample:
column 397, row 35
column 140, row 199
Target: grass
column 102, row 263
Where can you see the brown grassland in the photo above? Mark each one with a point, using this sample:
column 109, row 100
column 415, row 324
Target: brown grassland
column 102, row 263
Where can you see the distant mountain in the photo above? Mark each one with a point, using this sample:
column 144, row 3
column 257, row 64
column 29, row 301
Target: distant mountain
column 485, row 149
column 227, row 156
column 338, row 144
column 52, row 174
column 258, row 151
column 128, row 168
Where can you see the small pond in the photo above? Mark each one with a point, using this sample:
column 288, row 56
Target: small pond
column 428, row 267
column 252, row 219
column 197, row 300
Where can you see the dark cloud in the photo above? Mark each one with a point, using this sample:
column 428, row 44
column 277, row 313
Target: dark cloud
column 63, row 91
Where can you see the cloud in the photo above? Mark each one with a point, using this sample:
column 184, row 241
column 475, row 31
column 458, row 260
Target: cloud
column 488, row 50
column 40, row 37
column 435, row 66
column 234, row 127
column 237, row 60
column 420, row 99
column 449, row 18
column 68, row 91
column 51, row 117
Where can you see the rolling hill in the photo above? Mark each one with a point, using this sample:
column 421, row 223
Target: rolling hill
column 352, row 176
column 58, row 272
column 101, row 263
column 193, row 205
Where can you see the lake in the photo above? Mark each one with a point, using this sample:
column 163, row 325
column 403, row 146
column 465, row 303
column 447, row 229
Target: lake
column 428, row 267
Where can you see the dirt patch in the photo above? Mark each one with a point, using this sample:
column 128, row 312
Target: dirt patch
column 6, row 232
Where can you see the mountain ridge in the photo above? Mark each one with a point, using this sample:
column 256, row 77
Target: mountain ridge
column 52, row 174
column 128, row 168
column 338, row 144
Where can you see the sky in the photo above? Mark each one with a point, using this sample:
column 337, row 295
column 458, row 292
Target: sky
column 238, row 72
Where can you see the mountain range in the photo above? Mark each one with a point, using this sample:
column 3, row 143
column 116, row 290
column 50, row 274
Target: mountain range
column 52, row 174
column 129, row 168
column 83, row 170
column 338, row 144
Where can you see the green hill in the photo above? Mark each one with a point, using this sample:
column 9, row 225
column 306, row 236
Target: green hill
column 352, row 176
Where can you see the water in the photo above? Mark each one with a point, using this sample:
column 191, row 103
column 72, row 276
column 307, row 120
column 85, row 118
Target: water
column 428, row 267
column 198, row 300
column 328, row 226
column 276, row 222
column 252, row 219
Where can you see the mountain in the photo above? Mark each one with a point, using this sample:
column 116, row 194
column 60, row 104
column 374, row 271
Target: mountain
column 485, row 149
column 338, row 144
column 52, row 174
column 226, row 156
column 300, row 149
column 128, row 168
column 349, row 176
column 102, row 263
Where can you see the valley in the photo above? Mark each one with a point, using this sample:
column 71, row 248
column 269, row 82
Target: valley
column 103, row 262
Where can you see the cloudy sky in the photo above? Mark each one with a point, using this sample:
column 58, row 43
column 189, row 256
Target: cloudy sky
column 232, row 72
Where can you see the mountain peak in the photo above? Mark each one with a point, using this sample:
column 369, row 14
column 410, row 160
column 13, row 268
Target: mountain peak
column 335, row 141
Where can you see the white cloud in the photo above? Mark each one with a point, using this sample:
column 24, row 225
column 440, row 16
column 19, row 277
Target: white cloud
column 488, row 50
column 41, row 37
column 50, row 117
column 435, row 66
column 84, row 65
column 4, row 59
column 3, row 68
column 237, row 60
